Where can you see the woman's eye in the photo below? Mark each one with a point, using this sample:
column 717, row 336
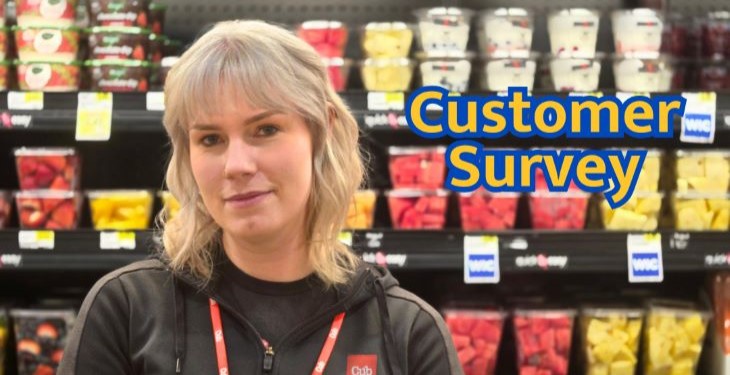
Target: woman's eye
column 267, row 130
column 209, row 140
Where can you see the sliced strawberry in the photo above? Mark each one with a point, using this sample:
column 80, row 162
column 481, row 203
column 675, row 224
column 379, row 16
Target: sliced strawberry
column 56, row 162
column 65, row 215
column 27, row 165
column 60, row 183
column 44, row 175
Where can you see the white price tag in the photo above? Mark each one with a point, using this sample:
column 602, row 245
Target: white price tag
column 155, row 101
column 624, row 96
column 36, row 239
column 386, row 101
column 117, row 240
column 30, row 100
column 645, row 258
column 481, row 259
column 345, row 238
column 94, row 116
column 698, row 122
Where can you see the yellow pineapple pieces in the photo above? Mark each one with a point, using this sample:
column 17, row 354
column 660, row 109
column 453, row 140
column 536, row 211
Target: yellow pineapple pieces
column 120, row 209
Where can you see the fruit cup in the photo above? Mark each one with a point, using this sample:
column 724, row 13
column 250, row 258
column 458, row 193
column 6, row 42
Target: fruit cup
column 543, row 338
column 386, row 39
column 118, row 43
column 48, row 209
column 484, row 210
column 338, row 70
column 499, row 74
column 5, row 208
column 573, row 32
column 637, row 32
column 40, row 337
column 563, row 211
column 48, row 168
column 640, row 75
column 505, row 32
column 328, row 38
column 418, row 209
column 45, row 12
column 48, row 76
column 389, row 74
column 610, row 339
column 715, row 35
column 575, row 74
column 702, row 171
column 641, row 212
column 676, row 36
column 44, row 43
column 157, row 45
column 118, row 13
column 417, row 167
column 673, row 337
column 119, row 75
column 701, row 211
column 120, row 209
column 362, row 210
column 157, row 17
column 476, row 335
column 650, row 171
column 713, row 75
column 443, row 29
column 169, row 204
column 448, row 70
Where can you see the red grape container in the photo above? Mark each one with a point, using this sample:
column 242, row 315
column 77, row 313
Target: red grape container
column 48, row 209
column 476, row 334
column 417, row 167
column 48, row 168
column 418, row 209
column 484, row 210
column 41, row 338
column 544, row 338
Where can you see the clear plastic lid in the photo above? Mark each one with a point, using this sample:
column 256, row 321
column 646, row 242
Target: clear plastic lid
column 570, row 194
column 445, row 55
column 44, row 151
column 677, row 307
column 651, row 152
column 474, row 313
column 639, row 12
column 397, row 150
column 337, row 61
column 544, row 313
column 611, row 311
column 702, row 153
column 46, row 194
column 415, row 193
column 646, row 194
column 506, row 12
column 575, row 12
column 693, row 194
column 386, row 26
column 513, row 55
column 321, row 24
column 429, row 13
column 497, row 195
column 388, row 62
column 127, row 193
column 42, row 313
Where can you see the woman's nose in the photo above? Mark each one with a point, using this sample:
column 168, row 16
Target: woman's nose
column 240, row 159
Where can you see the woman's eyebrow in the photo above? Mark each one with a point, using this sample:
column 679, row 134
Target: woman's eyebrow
column 250, row 120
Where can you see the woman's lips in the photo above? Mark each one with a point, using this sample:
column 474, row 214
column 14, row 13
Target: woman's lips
column 247, row 199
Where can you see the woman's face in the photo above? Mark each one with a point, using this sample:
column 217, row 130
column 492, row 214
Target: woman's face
column 253, row 168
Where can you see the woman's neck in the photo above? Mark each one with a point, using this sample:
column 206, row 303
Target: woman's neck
column 283, row 260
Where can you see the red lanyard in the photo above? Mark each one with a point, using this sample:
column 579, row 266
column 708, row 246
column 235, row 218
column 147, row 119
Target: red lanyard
column 220, row 343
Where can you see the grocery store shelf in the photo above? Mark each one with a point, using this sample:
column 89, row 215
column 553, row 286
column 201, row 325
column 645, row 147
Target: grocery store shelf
column 520, row 251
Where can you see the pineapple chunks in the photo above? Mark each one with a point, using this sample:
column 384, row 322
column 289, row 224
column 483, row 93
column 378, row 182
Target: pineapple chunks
column 611, row 342
column 701, row 212
column 707, row 172
column 641, row 212
column 123, row 210
column 673, row 342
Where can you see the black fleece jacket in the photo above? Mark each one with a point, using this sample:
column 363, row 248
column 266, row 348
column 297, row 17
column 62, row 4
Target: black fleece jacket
column 142, row 320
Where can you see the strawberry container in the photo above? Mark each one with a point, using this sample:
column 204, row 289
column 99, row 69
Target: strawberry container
column 48, row 168
column 483, row 210
column 338, row 70
column 418, row 209
column 120, row 209
column 48, row 209
column 544, row 339
column 48, row 76
column 387, row 74
column 328, row 38
column 40, row 337
column 417, row 167
column 386, row 39
column 563, row 211
column 443, row 29
column 60, row 13
column 701, row 211
column 6, row 207
column 118, row 13
column 47, row 43
column 476, row 334
column 118, row 43
column 505, row 32
column 640, row 212
column 119, row 75
column 573, row 32
column 610, row 338
column 637, row 32
column 450, row 70
column 362, row 210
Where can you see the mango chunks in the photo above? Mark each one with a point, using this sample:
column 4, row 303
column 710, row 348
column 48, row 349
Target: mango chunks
column 673, row 341
column 361, row 210
column 696, row 211
column 611, row 341
column 703, row 171
column 641, row 212
column 120, row 210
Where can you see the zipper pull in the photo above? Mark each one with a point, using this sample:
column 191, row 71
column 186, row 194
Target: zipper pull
column 269, row 359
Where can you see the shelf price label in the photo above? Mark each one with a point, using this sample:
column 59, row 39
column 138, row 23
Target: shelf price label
column 94, row 116
column 386, row 101
column 345, row 238
column 155, row 101
column 624, row 96
column 645, row 258
column 25, row 100
column 698, row 122
column 36, row 239
column 481, row 260
column 117, row 240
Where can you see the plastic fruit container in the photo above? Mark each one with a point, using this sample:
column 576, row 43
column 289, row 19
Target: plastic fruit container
column 338, row 70
column 573, row 32
column 676, row 36
column 157, row 17
column 169, row 203
column 48, row 76
column 641, row 212
column 386, row 39
column 544, row 339
column 6, row 207
column 640, row 75
column 392, row 74
column 713, row 75
column 575, row 74
column 113, row 42
column 417, row 167
column 328, row 38
column 476, row 335
column 120, row 209
column 673, row 337
column 417, row 209
column 702, row 171
column 701, row 211
column 40, row 43
column 715, row 35
column 48, row 209
column 505, row 32
column 443, row 29
column 4, row 45
column 156, row 47
column 448, row 70
column 650, row 171
column 48, row 168
column 499, row 74
column 118, row 75
column 541, row 181
column 4, row 74
column 45, row 12
column 362, row 210
column 484, row 210
column 563, row 211
column 40, row 337
column 118, row 13
column 637, row 32
column 610, row 338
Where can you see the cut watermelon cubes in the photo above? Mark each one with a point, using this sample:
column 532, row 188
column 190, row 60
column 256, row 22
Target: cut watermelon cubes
column 563, row 211
column 5, row 208
column 417, row 167
column 418, row 209
column 48, row 168
column 543, row 341
column 483, row 210
column 476, row 335
column 48, row 209
column 328, row 38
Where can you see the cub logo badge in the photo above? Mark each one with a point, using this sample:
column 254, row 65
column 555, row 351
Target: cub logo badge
column 362, row 364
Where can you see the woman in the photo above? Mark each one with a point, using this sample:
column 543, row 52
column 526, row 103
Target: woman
column 253, row 279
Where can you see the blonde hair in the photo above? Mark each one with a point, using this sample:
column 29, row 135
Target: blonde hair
column 270, row 68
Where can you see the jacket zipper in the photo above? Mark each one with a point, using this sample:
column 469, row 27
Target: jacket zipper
column 269, row 359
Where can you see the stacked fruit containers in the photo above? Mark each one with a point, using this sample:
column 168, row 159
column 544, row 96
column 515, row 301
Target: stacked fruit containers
column 329, row 39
